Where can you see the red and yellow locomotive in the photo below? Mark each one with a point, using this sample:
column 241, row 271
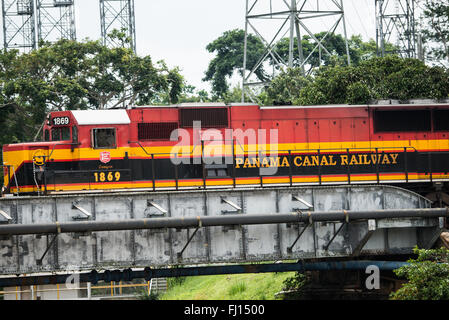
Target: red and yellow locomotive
column 218, row 145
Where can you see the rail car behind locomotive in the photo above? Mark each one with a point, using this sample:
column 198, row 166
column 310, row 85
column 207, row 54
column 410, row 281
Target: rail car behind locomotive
column 218, row 145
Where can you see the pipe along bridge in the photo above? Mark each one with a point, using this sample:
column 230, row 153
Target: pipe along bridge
column 142, row 234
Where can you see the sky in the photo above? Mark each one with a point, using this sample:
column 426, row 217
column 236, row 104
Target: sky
column 178, row 31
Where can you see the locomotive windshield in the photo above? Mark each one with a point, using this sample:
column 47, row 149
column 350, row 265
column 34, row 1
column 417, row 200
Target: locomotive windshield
column 60, row 134
column 58, row 130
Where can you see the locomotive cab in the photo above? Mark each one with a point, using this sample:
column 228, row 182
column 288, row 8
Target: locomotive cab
column 25, row 163
column 80, row 150
column 60, row 127
column 59, row 130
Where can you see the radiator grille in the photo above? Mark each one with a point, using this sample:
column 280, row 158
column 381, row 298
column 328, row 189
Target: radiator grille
column 209, row 117
column 156, row 130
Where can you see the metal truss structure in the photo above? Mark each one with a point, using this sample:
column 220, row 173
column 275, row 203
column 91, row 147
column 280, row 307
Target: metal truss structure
column 272, row 21
column 18, row 24
column 395, row 23
column 118, row 14
column 55, row 20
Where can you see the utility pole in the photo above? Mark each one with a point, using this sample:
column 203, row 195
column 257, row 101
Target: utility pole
column 18, row 25
column 27, row 22
column 274, row 20
column 118, row 14
column 395, row 23
column 56, row 20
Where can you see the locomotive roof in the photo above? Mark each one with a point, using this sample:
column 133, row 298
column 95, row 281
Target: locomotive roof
column 399, row 106
column 187, row 105
column 120, row 116
column 378, row 104
column 94, row 117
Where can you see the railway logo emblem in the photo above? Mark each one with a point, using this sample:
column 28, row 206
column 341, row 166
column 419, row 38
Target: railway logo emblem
column 105, row 156
column 39, row 157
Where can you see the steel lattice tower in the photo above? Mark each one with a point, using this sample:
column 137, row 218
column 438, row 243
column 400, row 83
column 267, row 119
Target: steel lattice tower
column 55, row 20
column 395, row 23
column 18, row 24
column 118, row 14
column 292, row 19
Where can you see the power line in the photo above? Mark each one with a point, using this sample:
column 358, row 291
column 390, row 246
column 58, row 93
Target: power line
column 360, row 20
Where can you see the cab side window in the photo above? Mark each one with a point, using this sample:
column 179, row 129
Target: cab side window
column 47, row 135
column 74, row 134
column 104, row 138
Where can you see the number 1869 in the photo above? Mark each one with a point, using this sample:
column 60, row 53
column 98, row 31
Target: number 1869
column 107, row 176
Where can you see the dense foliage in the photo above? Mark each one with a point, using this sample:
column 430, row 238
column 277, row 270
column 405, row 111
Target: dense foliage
column 391, row 77
column 76, row 75
column 427, row 275
column 69, row 75
column 336, row 50
column 229, row 50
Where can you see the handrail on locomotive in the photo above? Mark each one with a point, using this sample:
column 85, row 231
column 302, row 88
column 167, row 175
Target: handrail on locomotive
column 290, row 151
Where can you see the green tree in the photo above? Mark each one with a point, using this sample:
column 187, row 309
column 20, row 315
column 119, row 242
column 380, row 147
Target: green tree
column 190, row 94
column 390, row 77
column 69, row 75
column 284, row 88
column 235, row 95
column 293, row 286
column 360, row 50
column 335, row 44
column 436, row 29
column 229, row 49
column 17, row 116
column 427, row 276
column 77, row 75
